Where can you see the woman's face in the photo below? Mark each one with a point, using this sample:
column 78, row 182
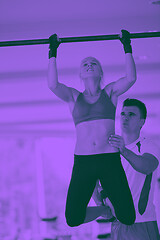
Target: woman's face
column 90, row 68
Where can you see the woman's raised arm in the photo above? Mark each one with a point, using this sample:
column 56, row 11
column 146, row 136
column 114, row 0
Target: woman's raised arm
column 60, row 90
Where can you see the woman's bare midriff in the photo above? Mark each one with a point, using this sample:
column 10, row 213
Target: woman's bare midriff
column 92, row 137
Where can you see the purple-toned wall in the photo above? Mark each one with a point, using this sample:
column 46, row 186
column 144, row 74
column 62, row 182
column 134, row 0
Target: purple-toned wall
column 37, row 134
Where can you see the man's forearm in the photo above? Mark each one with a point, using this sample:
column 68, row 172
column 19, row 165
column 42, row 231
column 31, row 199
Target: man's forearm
column 136, row 161
column 145, row 163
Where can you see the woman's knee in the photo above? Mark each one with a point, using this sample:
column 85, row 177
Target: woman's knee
column 127, row 218
column 72, row 222
column 74, row 219
column 128, row 221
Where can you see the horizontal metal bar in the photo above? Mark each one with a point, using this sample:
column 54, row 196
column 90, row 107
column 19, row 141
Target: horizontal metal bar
column 78, row 39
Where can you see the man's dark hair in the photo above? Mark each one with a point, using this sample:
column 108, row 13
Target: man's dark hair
column 134, row 102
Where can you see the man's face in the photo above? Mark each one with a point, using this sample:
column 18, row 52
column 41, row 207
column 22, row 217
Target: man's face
column 131, row 121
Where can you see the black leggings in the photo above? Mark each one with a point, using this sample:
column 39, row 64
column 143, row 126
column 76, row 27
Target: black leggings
column 86, row 171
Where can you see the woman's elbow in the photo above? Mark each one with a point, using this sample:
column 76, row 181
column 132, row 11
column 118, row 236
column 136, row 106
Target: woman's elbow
column 134, row 79
column 52, row 86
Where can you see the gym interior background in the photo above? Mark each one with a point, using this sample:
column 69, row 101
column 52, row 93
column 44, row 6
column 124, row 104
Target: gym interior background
column 37, row 135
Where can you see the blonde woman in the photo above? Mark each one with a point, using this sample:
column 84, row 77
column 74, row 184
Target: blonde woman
column 93, row 113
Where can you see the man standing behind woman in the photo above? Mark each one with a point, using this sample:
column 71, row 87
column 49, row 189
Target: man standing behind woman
column 140, row 159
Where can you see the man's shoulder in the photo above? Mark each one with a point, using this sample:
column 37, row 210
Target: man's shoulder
column 148, row 141
column 149, row 145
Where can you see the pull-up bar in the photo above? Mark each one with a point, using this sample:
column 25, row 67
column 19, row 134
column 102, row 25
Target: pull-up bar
column 78, row 39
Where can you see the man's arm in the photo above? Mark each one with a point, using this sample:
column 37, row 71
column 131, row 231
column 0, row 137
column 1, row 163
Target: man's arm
column 145, row 163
